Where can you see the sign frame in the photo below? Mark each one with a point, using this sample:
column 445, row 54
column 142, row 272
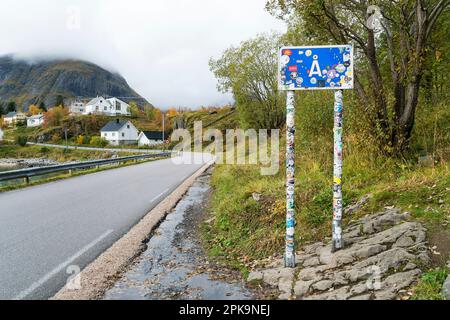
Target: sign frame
column 283, row 87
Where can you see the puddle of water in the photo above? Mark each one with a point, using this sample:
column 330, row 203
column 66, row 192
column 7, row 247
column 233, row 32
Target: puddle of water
column 174, row 265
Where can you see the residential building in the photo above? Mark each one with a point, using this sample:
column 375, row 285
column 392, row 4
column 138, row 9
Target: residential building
column 13, row 117
column 111, row 107
column 151, row 138
column 76, row 107
column 35, row 121
column 119, row 132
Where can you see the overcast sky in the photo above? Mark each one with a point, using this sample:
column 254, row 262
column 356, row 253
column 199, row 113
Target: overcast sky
column 161, row 47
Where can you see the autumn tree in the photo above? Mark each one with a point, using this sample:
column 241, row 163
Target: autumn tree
column 390, row 57
column 34, row 110
column 134, row 109
column 54, row 116
column 249, row 72
column 149, row 112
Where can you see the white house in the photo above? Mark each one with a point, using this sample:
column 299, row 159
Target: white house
column 76, row 107
column 35, row 121
column 111, row 107
column 14, row 117
column 151, row 138
column 120, row 132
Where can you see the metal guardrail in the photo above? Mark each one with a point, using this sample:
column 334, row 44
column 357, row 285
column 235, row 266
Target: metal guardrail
column 30, row 172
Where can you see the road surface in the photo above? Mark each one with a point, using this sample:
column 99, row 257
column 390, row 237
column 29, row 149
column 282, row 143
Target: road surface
column 49, row 231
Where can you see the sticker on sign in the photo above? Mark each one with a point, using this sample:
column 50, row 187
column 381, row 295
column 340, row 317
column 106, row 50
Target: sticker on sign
column 316, row 68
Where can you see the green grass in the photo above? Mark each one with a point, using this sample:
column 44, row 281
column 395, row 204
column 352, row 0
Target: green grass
column 244, row 229
column 57, row 154
column 430, row 284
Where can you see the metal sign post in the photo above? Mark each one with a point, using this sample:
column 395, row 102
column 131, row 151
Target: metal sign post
column 314, row 68
column 290, row 180
column 337, row 242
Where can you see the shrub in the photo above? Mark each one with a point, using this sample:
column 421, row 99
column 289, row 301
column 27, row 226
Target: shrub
column 45, row 150
column 56, row 137
column 98, row 142
column 22, row 140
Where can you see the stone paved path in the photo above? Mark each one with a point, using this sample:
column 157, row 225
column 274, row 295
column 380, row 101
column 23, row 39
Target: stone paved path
column 382, row 257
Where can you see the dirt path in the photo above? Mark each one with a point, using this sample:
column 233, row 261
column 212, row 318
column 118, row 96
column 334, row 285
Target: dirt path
column 174, row 265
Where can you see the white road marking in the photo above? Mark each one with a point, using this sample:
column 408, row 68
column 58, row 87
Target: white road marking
column 159, row 195
column 60, row 267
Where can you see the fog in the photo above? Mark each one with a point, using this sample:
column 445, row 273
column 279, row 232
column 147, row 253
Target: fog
column 162, row 48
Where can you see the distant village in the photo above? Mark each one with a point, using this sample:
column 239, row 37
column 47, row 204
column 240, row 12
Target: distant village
column 116, row 132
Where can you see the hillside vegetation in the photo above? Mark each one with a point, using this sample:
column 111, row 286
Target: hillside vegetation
column 411, row 173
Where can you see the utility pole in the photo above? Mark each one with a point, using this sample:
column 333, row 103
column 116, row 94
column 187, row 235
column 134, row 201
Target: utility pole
column 163, row 130
column 65, row 135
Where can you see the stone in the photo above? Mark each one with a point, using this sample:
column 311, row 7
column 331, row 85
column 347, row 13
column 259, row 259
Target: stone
column 326, row 256
column 255, row 276
column 285, row 285
column 404, row 242
column 272, row 276
column 400, row 280
column 313, row 261
column 359, row 288
column 355, row 207
column 409, row 266
column 301, row 288
column 392, row 258
column 322, row 285
column 256, row 196
column 361, row 297
column 368, row 251
column 284, row 296
column 446, row 288
column 313, row 273
column 385, row 295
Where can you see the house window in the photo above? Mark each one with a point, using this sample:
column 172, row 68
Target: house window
column 118, row 107
column 106, row 134
column 123, row 134
column 113, row 134
column 105, row 108
column 96, row 108
column 128, row 126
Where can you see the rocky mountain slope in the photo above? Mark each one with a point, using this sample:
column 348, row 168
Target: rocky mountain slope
column 35, row 82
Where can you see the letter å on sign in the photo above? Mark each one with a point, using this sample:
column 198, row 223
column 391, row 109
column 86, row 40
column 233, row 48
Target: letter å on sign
column 314, row 68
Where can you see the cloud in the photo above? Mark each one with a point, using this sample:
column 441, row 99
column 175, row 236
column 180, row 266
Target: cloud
column 161, row 47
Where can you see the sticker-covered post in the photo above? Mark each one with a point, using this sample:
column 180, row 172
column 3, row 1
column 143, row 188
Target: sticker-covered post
column 290, row 180
column 337, row 242
column 315, row 68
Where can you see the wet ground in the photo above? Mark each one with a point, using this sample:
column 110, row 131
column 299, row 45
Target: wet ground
column 174, row 266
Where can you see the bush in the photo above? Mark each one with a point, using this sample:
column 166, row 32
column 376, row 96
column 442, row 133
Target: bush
column 22, row 140
column 56, row 137
column 98, row 142
column 45, row 150
column 80, row 140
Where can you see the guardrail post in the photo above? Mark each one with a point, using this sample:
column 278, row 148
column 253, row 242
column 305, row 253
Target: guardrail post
column 26, row 180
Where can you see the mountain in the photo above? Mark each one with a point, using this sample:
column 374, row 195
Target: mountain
column 35, row 82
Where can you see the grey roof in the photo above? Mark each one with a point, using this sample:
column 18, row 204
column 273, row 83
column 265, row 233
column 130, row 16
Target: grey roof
column 154, row 135
column 10, row 114
column 114, row 125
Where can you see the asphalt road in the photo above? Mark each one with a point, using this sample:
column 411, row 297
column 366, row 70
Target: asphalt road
column 50, row 231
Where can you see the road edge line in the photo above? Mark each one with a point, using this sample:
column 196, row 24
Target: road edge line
column 101, row 274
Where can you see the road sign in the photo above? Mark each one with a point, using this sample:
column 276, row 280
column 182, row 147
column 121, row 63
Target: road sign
column 316, row 68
